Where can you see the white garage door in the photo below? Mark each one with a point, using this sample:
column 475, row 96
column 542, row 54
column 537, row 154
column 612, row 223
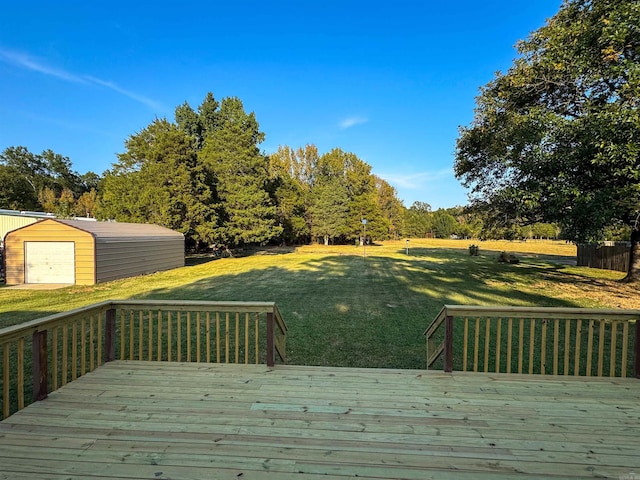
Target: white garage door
column 49, row 262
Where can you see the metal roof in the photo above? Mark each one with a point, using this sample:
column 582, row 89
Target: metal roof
column 23, row 213
column 119, row 231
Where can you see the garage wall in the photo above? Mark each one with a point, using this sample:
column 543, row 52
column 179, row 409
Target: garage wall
column 11, row 222
column 126, row 258
column 50, row 231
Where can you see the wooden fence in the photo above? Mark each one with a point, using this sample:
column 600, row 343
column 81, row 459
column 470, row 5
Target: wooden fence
column 536, row 340
column 42, row 355
column 606, row 257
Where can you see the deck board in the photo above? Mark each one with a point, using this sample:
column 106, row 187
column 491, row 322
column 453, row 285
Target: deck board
column 187, row 421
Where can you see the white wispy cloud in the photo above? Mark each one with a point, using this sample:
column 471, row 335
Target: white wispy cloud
column 27, row 62
column 412, row 181
column 352, row 121
column 134, row 96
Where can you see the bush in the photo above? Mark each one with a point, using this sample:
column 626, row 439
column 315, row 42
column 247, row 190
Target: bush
column 474, row 250
column 505, row 257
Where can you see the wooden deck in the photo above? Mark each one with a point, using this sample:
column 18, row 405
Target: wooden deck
column 211, row 421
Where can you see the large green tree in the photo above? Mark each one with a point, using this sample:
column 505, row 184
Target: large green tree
column 418, row 221
column 390, row 207
column 329, row 210
column 354, row 185
column 443, row 223
column 557, row 137
column 16, row 192
column 327, row 196
column 290, row 193
column 159, row 180
column 241, row 174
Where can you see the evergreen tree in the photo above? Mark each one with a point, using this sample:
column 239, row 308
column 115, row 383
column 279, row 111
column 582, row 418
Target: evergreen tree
column 158, row 180
column 240, row 173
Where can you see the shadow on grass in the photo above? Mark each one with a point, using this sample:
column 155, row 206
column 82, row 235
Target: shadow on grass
column 343, row 310
column 10, row 318
column 438, row 252
column 198, row 259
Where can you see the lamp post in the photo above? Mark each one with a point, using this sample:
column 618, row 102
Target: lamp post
column 407, row 246
column 364, row 238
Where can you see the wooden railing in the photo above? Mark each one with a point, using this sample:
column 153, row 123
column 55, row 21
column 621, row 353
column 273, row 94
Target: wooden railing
column 542, row 340
column 42, row 355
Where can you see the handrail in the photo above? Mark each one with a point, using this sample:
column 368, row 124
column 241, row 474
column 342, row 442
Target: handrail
column 261, row 307
column 27, row 328
column 539, row 312
column 67, row 345
column 582, row 339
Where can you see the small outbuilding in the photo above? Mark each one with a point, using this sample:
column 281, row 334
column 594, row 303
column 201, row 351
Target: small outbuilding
column 85, row 253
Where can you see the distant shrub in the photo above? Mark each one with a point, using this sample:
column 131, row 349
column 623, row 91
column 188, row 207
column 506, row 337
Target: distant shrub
column 474, row 250
column 506, row 257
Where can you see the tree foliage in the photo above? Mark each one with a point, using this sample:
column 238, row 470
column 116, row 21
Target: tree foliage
column 289, row 188
column 44, row 181
column 557, row 137
column 16, row 192
column 202, row 175
column 240, row 173
column 391, row 209
column 158, row 180
column 443, row 224
column 329, row 210
column 327, row 196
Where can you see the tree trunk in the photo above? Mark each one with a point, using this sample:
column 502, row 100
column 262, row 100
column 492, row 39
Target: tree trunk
column 633, row 272
column 326, row 239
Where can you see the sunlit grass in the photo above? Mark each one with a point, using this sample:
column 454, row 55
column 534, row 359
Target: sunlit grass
column 345, row 309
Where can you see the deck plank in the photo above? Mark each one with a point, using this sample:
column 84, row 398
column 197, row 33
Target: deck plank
column 175, row 420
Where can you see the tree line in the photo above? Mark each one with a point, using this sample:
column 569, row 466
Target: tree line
column 204, row 175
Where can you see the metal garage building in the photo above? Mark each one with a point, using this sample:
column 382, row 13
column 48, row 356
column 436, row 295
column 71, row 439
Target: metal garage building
column 84, row 253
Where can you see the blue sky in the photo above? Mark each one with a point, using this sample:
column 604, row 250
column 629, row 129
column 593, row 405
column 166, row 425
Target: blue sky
column 388, row 81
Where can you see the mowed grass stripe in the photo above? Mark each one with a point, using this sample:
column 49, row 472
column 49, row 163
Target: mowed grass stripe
column 346, row 310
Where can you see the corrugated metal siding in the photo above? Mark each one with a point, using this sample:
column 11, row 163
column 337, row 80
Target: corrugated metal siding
column 121, row 259
column 11, row 222
column 50, row 231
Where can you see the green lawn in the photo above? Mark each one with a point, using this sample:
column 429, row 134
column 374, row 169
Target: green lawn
column 343, row 309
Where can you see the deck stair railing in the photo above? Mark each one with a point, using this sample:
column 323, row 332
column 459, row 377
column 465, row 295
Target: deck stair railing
column 40, row 356
column 535, row 340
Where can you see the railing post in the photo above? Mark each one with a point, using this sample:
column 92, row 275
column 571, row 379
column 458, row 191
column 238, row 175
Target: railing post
column 110, row 336
column 271, row 353
column 448, row 344
column 40, row 373
column 636, row 363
